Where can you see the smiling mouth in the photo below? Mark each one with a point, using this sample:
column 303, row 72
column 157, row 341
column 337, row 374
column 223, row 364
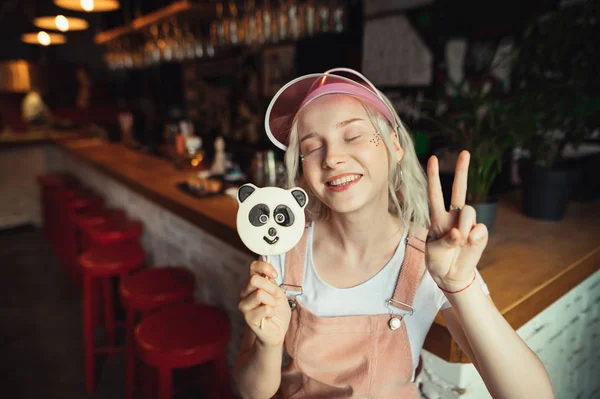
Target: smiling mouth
column 271, row 242
column 343, row 181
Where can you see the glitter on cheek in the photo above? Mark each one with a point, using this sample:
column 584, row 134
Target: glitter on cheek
column 376, row 139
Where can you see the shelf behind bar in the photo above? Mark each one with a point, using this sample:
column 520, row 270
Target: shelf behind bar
column 207, row 10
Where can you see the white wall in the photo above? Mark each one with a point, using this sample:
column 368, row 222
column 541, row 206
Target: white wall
column 19, row 194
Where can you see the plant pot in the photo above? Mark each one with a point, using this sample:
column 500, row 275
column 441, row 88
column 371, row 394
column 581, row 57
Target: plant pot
column 486, row 213
column 546, row 192
column 588, row 187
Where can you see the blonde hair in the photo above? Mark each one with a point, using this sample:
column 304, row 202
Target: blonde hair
column 407, row 188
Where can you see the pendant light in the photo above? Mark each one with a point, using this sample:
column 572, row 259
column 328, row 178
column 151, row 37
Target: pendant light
column 89, row 5
column 44, row 38
column 61, row 23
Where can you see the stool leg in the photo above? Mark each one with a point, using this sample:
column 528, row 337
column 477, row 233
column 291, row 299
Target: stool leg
column 75, row 264
column 88, row 333
column 221, row 388
column 165, row 383
column 45, row 212
column 97, row 309
column 69, row 242
column 149, row 376
column 60, row 234
column 130, row 354
column 109, row 316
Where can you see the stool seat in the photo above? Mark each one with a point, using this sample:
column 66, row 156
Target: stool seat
column 55, row 180
column 96, row 217
column 183, row 335
column 153, row 288
column 116, row 231
column 71, row 201
column 52, row 186
column 112, row 260
column 84, row 199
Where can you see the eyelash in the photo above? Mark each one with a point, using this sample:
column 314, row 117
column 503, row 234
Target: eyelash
column 313, row 150
column 316, row 149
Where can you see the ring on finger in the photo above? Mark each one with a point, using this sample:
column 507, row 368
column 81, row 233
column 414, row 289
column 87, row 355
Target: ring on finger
column 454, row 208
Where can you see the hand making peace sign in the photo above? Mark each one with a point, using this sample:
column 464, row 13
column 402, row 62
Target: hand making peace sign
column 456, row 240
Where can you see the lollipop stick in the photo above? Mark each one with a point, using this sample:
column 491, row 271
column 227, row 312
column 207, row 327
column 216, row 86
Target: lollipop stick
column 262, row 321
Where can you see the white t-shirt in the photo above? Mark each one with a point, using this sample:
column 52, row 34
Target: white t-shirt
column 371, row 297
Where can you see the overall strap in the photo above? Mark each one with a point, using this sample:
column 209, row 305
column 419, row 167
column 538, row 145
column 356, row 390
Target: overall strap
column 293, row 276
column 411, row 272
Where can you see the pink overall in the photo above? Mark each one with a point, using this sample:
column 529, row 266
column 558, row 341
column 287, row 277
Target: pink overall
column 350, row 356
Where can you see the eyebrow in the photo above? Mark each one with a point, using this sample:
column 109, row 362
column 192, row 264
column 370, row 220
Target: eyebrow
column 347, row 122
column 338, row 126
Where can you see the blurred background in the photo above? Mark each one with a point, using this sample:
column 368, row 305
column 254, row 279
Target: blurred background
column 157, row 107
column 216, row 64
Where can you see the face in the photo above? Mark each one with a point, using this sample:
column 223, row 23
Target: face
column 346, row 162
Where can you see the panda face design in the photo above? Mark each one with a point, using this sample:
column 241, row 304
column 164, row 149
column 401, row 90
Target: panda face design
column 270, row 220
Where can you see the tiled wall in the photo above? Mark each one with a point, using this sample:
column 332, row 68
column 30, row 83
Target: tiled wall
column 19, row 168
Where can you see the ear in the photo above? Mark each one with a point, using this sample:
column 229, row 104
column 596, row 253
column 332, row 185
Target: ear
column 245, row 191
column 396, row 145
column 300, row 196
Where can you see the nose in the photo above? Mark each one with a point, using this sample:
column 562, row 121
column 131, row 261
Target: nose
column 272, row 232
column 333, row 158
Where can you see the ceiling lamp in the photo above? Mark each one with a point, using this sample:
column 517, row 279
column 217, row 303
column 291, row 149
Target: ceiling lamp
column 89, row 5
column 44, row 38
column 61, row 23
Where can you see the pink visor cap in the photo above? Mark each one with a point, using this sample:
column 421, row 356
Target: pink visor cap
column 292, row 97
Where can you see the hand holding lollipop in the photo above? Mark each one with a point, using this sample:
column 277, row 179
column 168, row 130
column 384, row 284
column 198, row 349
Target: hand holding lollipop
column 270, row 221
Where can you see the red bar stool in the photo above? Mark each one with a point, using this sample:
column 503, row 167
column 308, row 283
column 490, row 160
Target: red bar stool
column 99, row 264
column 71, row 203
column 184, row 336
column 90, row 219
column 49, row 184
column 115, row 232
column 144, row 292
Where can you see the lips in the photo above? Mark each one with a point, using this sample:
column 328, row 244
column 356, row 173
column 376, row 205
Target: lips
column 342, row 182
column 271, row 242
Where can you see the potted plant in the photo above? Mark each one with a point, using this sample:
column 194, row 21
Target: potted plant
column 476, row 120
column 554, row 103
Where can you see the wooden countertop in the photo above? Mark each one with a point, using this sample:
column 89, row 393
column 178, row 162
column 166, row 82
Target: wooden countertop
column 527, row 266
column 156, row 179
column 35, row 137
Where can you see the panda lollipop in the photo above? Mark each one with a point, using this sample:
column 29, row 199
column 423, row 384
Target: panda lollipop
column 270, row 220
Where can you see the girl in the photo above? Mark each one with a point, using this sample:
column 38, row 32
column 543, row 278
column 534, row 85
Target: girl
column 347, row 310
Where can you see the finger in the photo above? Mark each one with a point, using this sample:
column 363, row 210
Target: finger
column 476, row 243
column 264, row 268
column 461, row 177
column 466, row 221
column 254, row 316
column 256, row 299
column 259, row 282
column 452, row 239
column 434, row 190
column 479, row 235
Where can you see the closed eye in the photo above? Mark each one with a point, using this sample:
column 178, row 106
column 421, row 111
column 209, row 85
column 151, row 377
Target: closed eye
column 311, row 150
column 353, row 134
